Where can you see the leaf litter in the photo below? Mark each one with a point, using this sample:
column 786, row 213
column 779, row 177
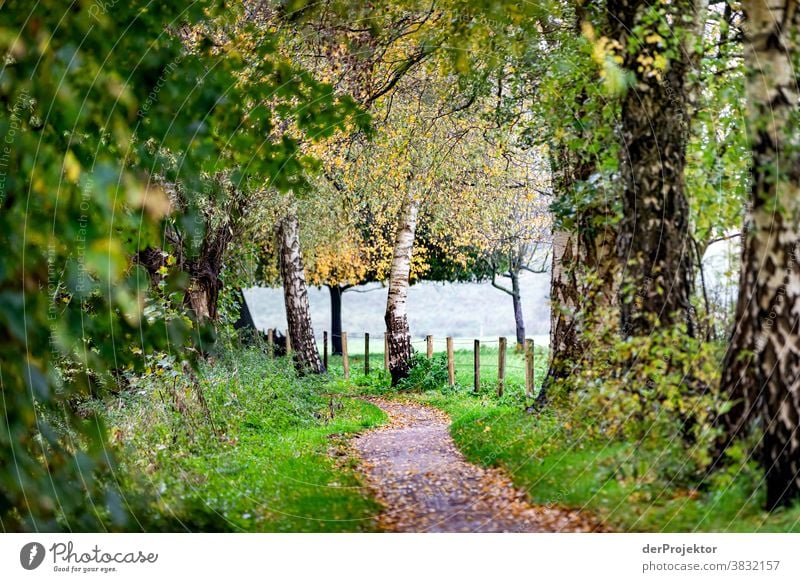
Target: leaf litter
column 426, row 485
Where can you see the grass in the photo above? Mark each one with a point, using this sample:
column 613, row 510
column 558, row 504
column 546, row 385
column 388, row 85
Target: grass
column 262, row 451
column 549, row 458
column 263, row 454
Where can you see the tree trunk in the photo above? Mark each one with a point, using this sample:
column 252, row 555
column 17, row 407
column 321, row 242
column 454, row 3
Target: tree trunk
column 397, row 331
column 584, row 266
column 519, row 319
column 202, row 295
column 295, row 294
column 564, row 301
column 584, row 275
column 761, row 372
column 336, row 319
column 653, row 244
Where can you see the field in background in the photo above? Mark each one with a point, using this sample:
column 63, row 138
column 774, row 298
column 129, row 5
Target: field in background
column 455, row 309
column 461, row 310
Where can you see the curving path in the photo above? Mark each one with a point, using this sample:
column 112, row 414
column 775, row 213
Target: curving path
column 426, row 485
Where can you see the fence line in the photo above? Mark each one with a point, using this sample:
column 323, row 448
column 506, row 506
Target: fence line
column 503, row 366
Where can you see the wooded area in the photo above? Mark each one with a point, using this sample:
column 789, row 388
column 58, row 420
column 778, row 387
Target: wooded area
column 159, row 158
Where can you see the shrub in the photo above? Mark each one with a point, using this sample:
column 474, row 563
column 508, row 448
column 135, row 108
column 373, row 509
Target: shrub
column 426, row 374
column 656, row 393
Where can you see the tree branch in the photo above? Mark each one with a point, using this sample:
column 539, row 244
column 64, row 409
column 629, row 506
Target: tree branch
column 496, row 285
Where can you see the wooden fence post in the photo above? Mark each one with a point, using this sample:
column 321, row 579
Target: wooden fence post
column 385, row 352
column 325, row 349
column 477, row 364
column 429, row 346
column 366, row 353
column 501, row 365
column 529, row 368
column 345, row 361
column 451, row 365
column 271, row 342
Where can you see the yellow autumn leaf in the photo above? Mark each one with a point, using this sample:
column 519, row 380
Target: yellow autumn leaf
column 72, row 167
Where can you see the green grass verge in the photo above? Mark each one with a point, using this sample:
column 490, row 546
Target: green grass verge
column 262, row 453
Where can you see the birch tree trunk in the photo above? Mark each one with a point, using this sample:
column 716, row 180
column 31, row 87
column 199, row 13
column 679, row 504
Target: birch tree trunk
column 397, row 330
column 761, row 373
column 295, row 294
column 564, row 301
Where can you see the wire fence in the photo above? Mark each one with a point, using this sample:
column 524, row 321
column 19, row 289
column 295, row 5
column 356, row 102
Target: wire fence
column 488, row 355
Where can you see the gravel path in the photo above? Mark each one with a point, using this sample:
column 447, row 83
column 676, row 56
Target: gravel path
column 426, row 485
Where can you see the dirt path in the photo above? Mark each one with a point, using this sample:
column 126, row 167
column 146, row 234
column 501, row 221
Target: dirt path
column 426, row 485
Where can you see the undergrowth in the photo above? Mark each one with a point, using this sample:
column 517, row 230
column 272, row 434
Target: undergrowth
column 243, row 446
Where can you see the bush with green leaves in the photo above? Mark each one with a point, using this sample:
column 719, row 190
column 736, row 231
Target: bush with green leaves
column 426, row 373
column 656, row 394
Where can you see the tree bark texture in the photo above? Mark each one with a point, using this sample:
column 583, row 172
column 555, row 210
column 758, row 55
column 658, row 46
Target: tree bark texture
column 584, row 274
column 295, row 294
column 397, row 330
column 204, row 270
column 761, row 373
column 654, row 246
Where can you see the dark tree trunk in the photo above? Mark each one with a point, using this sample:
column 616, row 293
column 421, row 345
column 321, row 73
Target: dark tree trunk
column 204, row 270
column 336, row 319
column 516, row 297
column 519, row 319
column 654, row 244
column 397, row 330
column 761, row 373
column 295, row 294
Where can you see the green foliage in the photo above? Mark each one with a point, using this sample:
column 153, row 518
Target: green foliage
column 72, row 213
column 655, row 392
column 425, row 374
column 99, row 108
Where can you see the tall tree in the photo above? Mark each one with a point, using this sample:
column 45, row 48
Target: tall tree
column 576, row 123
column 397, row 330
column 658, row 50
column 761, row 374
column 295, row 294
